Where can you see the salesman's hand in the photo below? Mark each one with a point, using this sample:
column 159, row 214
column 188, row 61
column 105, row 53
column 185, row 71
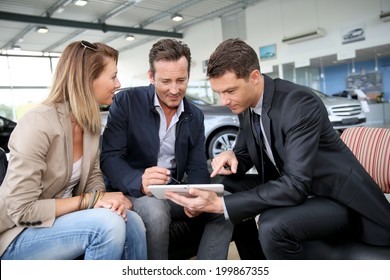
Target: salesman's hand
column 199, row 201
column 191, row 214
column 224, row 164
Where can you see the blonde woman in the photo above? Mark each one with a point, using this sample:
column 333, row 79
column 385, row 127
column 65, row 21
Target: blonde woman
column 53, row 201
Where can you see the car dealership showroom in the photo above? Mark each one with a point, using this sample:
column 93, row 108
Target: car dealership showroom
column 340, row 50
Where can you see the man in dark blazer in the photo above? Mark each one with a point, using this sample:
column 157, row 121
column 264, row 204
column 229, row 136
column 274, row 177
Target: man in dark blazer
column 155, row 136
column 309, row 184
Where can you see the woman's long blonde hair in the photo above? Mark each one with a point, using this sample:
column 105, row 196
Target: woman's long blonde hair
column 79, row 65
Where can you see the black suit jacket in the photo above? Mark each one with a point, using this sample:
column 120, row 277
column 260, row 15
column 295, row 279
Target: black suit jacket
column 311, row 159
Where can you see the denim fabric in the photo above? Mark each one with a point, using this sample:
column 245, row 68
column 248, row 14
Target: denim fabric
column 156, row 215
column 216, row 237
column 99, row 234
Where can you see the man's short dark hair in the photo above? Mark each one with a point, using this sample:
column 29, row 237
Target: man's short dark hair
column 232, row 55
column 168, row 50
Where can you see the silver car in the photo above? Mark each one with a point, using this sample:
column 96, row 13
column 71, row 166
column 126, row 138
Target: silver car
column 220, row 124
column 343, row 112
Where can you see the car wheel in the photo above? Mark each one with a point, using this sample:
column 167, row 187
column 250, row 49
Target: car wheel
column 223, row 140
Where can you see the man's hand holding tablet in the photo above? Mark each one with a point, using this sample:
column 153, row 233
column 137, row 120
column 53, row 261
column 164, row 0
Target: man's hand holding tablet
column 159, row 190
column 198, row 200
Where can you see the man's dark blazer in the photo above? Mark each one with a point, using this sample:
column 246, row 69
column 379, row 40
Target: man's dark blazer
column 131, row 141
column 312, row 160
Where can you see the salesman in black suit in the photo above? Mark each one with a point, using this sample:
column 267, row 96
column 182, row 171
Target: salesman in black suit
column 309, row 184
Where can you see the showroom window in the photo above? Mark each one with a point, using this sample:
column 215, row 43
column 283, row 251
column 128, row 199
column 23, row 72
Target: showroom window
column 24, row 83
column 306, row 76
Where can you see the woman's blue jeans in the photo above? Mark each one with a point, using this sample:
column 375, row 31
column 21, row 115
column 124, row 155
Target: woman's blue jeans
column 98, row 234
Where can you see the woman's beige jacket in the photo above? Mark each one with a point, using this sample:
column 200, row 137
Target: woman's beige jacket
column 39, row 170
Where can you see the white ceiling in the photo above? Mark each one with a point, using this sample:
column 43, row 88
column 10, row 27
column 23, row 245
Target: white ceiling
column 140, row 16
column 19, row 19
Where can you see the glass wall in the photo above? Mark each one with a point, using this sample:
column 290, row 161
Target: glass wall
column 306, row 76
column 24, row 82
column 332, row 80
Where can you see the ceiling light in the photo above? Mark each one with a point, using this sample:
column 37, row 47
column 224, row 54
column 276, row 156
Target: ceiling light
column 16, row 47
column 42, row 29
column 130, row 37
column 81, row 2
column 177, row 17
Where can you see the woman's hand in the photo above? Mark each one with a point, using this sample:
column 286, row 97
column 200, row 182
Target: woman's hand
column 117, row 202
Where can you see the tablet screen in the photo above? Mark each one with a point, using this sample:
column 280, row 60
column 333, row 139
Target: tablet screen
column 159, row 190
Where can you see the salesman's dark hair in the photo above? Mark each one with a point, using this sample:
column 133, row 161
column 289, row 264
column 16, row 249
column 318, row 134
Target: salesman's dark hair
column 232, row 55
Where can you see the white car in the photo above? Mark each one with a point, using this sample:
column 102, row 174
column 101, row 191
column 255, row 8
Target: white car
column 343, row 112
column 355, row 33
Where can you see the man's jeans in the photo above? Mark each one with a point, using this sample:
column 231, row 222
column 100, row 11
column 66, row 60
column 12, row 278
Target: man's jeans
column 99, row 234
column 157, row 213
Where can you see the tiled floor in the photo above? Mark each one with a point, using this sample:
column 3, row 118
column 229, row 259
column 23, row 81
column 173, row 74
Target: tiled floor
column 233, row 253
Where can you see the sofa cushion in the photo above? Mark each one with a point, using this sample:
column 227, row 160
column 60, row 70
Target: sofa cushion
column 371, row 146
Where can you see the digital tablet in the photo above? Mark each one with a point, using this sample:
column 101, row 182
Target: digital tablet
column 159, row 190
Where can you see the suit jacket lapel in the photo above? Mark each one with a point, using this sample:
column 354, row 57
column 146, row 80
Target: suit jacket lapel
column 267, row 101
column 63, row 113
column 89, row 144
column 268, row 95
